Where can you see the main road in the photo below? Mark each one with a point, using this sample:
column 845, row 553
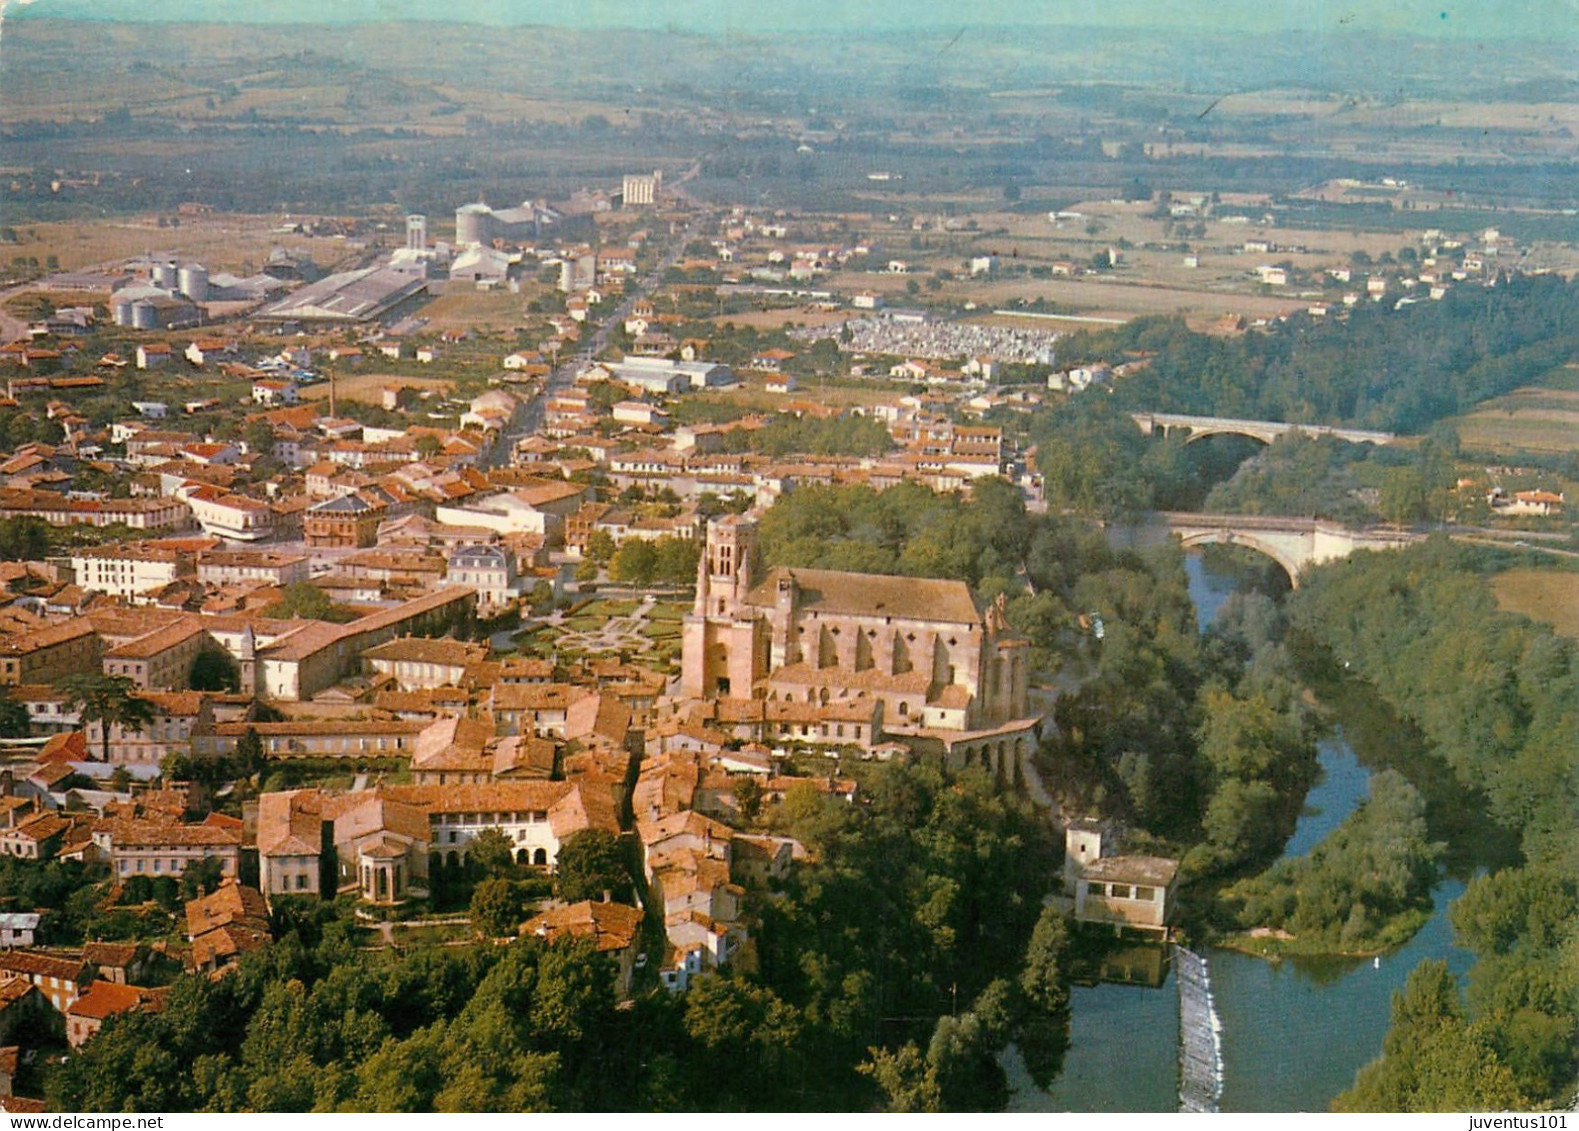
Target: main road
column 564, row 374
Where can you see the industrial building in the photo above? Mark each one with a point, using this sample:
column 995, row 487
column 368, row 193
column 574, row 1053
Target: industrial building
column 477, row 224
column 660, row 375
column 345, row 297
column 641, row 190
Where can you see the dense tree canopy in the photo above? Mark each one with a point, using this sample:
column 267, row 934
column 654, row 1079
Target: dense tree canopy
column 1376, row 864
column 591, row 863
column 906, row 529
column 1380, row 367
column 1497, row 697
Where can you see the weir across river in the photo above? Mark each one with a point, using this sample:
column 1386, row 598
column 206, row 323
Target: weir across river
column 1200, row 1034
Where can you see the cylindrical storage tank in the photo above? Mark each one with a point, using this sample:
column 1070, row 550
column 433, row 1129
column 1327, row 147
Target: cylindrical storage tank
column 167, row 276
column 145, row 316
column 123, row 312
column 194, row 282
column 471, row 223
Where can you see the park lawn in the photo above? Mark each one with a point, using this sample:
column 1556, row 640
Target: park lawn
column 1545, row 595
column 612, row 608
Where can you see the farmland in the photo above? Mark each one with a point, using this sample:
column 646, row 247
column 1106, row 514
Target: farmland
column 369, row 387
column 1542, row 419
column 1541, row 594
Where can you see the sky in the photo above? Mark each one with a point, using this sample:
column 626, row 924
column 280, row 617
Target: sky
column 1546, row 20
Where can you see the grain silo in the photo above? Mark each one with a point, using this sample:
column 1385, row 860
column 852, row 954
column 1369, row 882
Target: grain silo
column 473, row 224
column 193, row 279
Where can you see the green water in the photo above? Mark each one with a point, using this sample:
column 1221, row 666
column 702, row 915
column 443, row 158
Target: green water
column 1294, row 1032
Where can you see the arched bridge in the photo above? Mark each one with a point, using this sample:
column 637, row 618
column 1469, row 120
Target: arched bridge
column 1264, row 430
column 1293, row 543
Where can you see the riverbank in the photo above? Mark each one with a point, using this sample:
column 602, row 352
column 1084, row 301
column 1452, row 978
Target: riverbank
column 1297, row 1022
column 1276, row 946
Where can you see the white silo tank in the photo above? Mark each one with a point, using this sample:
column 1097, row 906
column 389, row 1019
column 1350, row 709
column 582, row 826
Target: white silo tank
column 145, row 315
column 194, row 282
column 472, row 224
column 167, row 275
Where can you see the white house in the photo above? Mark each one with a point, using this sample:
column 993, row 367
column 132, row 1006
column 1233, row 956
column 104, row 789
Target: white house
column 488, row 569
column 17, row 927
column 273, row 392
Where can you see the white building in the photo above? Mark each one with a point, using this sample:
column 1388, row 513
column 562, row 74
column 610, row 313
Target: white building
column 261, row 567
column 233, row 517
column 488, row 569
column 127, row 571
column 660, row 375
column 638, row 189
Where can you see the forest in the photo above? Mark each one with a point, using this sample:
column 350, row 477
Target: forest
column 1399, row 370
column 1497, row 696
column 1394, row 369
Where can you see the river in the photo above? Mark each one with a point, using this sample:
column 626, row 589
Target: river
column 1293, row 1032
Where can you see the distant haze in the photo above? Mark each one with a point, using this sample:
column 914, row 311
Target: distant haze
column 1458, row 19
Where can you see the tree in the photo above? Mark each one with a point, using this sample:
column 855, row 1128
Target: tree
column 591, row 862
column 908, row 1082
column 497, row 908
column 214, row 671
column 249, row 752
column 14, row 721
column 300, row 599
column 748, row 799
column 491, row 853
column 1405, row 496
column 109, row 700
column 676, row 559
column 1043, row 977
column 201, row 878
column 601, row 547
column 1432, row 1060
column 636, row 563
column 25, row 538
column 259, row 438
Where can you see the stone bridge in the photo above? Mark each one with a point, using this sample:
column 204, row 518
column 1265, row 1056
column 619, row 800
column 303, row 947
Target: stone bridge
column 1264, row 430
column 1293, row 543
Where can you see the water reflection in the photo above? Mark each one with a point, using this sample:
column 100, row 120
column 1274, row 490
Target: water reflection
column 1295, row 1033
column 1343, row 784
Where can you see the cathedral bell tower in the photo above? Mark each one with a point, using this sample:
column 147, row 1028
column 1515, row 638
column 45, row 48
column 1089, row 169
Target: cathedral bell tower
column 719, row 641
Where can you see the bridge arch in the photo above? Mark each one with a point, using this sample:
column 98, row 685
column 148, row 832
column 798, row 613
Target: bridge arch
column 1290, row 565
column 1261, row 437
